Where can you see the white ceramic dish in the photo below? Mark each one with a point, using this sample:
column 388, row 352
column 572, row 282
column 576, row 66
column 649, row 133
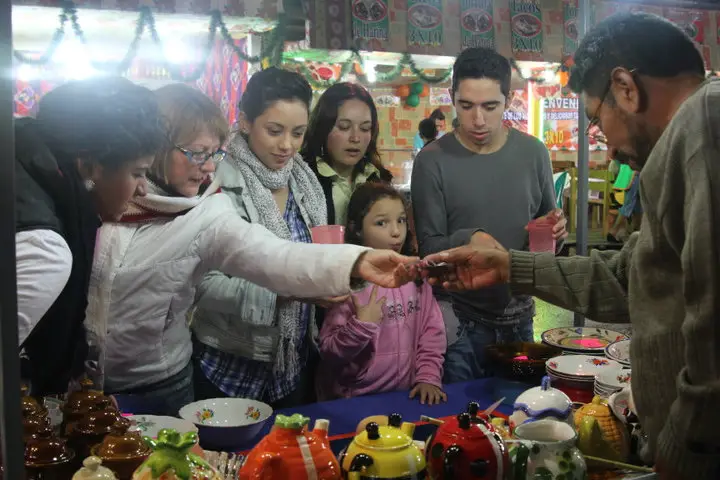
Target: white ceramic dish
column 227, row 422
column 619, row 351
column 580, row 366
column 581, row 339
column 150, row 425
column 617, row 379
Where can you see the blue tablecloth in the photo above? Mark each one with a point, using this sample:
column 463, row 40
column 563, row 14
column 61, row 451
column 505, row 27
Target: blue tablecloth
column 345, row 414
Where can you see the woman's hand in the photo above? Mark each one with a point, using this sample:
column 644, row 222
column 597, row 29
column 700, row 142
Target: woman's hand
column 385, row 268
column 372, row 311
column 429, row 394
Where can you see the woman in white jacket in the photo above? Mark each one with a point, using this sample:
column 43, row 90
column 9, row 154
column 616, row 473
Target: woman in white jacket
column 147, row 265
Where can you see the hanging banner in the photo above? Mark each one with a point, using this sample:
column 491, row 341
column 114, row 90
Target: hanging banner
column 425, row 23
column 476, row 24
column 527, row 29
column 570, row 34
column 370, row 20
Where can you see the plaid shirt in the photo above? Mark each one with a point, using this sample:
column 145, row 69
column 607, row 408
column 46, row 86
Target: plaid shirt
column 241, row 377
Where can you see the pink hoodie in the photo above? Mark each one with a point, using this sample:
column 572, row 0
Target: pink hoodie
column 405, row 348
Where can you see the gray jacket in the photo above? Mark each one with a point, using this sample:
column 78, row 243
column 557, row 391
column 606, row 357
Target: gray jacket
column 231, row 312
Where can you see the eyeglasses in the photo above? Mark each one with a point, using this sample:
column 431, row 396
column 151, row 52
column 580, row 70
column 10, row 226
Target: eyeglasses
column 597, row 134
column 200, row 158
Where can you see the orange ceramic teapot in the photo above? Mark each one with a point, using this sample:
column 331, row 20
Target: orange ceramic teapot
column 291, row 451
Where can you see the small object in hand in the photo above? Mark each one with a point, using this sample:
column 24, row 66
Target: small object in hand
column 438, row 270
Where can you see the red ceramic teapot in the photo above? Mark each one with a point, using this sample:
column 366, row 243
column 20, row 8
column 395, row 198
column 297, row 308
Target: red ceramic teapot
column 467, row 447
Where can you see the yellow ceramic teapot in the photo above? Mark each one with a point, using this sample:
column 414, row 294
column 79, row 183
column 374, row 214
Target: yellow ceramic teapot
column 386, row 452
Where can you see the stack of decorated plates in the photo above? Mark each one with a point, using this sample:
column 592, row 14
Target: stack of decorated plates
column 611, row 381
column 619, row 351
column 581, row 340
column 579, row 369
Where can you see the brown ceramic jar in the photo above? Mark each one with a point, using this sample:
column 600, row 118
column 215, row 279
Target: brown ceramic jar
column 122, row 451
column 48, row 459
column 92, row 428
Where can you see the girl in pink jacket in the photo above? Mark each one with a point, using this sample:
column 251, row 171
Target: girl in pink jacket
column 382, row 339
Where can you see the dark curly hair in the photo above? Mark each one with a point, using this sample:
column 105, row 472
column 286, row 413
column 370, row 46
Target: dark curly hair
column 270, row 85
column 106, row 120
column 647, row 43
column 361, row 201
column 479, row 62
column 323, row 120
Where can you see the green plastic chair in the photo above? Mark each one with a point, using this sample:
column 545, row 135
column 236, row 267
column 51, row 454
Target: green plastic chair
column 622, row 183
column 559, row 189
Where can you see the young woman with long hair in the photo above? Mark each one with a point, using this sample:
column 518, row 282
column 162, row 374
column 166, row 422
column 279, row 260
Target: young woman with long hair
column 341, row 145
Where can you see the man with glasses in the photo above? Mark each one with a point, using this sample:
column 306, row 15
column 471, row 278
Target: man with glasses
column 643, row 83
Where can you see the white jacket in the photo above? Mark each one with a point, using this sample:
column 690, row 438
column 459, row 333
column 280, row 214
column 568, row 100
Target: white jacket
column 144, row 278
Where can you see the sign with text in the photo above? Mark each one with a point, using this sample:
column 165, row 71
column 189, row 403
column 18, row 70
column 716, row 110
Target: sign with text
column 570, row 33
column 370, row 19
column 425, row 23
column 560, row 121
column 476, row 24
column 526, row 29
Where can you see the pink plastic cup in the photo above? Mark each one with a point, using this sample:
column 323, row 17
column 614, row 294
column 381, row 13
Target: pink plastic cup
column 328, row 234
column 541, row 235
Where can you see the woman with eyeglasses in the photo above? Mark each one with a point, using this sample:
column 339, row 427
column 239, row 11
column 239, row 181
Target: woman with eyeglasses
column 148, row 264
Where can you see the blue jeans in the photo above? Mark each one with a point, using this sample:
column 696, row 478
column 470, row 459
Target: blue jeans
column 165, row 397
column 465, row 359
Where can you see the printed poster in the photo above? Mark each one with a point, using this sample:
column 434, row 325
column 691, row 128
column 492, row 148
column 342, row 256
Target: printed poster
column 526, row 29
column 476, row 24
column 570, row 32
column 516, row 115
column 560, row 120
column 370, row 20
column 439, row 96
column 425, row 23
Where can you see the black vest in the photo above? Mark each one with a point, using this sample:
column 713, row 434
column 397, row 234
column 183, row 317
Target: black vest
column 50, row 195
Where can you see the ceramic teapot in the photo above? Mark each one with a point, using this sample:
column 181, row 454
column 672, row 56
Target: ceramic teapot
column 600, row 432
column 541, row 402
column 283, row 453
column 546, row 449
column 465, row 448
column 386, row 452
column 171, row 459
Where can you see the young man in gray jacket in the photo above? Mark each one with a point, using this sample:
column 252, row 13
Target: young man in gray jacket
column 485, row 176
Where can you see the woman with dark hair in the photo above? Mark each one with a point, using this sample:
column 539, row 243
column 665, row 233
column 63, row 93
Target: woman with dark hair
column 253, row 343
column 78, row 164
column 341, row 145
column 150, row 263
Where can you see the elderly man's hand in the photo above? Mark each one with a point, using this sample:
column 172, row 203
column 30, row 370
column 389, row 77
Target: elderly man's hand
column 481, row 264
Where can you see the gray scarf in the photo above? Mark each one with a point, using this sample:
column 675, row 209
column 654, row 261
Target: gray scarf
column 261, row 181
